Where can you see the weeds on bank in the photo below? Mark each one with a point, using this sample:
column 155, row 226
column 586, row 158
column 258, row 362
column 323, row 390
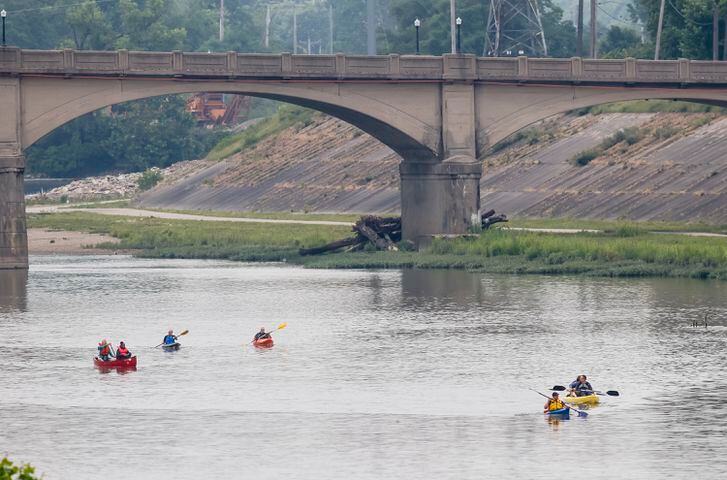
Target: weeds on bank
column 623, row 250
column 287, row 116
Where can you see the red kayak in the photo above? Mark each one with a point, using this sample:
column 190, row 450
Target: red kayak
column 263, row 343
column 125, row 363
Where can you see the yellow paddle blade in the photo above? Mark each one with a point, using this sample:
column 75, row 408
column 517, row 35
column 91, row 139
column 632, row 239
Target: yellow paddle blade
column 183, row 333
column 282, row 326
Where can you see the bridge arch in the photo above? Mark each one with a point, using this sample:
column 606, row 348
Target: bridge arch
column 412, row 133
column 521, row 106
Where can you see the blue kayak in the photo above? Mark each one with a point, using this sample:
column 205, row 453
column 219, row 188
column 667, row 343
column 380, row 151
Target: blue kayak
column 561, row 413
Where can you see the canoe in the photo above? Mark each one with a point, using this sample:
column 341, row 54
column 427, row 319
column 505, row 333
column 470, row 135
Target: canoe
column 591, row 399
column 263, row 343
column 125, row 363
column 560, row 413
column 172, row 347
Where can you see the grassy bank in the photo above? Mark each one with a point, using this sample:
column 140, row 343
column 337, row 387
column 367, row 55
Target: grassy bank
column 155, row 237
column 615, row 226
column 624, row 251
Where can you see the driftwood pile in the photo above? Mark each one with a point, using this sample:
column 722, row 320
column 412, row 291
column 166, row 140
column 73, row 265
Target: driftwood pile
column 489, row 218
column 383, row 233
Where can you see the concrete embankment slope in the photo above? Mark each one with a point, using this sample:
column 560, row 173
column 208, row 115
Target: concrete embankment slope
column 680, row 175
column 327, row 166
column 672, row 170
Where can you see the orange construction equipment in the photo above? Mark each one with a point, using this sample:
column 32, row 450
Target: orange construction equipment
column 210, row 108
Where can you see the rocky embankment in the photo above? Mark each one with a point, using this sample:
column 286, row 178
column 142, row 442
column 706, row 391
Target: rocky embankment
column 112, row 187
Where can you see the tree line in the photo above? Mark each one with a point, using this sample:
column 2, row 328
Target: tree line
column 157, row 132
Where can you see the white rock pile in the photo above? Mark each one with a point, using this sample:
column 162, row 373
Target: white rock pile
column 112, row 187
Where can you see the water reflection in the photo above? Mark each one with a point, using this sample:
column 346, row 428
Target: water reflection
column 451, row 286
column 13, row 290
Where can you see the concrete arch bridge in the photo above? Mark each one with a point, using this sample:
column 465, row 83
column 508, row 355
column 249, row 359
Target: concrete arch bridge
column 438, row 113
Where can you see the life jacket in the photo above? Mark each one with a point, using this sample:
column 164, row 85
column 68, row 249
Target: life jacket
column 104, row 350
column 555, row 404
column 169, row 339
column 584, row 389
column 123, row 352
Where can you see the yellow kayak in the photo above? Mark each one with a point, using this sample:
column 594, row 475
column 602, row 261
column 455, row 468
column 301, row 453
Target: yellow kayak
column 591, row 399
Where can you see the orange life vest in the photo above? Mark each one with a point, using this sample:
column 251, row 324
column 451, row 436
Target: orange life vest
column 123, row 352
column 105, row 350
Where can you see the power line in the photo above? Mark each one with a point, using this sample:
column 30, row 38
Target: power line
column 687, row 19
column 617, row 19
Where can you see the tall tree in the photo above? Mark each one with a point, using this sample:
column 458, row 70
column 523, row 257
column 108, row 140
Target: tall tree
column 89, row 27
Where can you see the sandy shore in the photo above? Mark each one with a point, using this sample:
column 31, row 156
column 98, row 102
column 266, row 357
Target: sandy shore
column 50, row 242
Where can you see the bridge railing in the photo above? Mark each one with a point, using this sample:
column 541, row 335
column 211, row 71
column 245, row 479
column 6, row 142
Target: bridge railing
column 394, row 67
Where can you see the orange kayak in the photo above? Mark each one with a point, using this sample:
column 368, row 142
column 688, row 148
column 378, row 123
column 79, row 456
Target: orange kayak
column 263, row 343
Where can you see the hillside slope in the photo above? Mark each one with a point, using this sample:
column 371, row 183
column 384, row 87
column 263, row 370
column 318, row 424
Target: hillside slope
column 673, row 169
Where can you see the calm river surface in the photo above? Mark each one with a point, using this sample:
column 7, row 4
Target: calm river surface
column 379, row 374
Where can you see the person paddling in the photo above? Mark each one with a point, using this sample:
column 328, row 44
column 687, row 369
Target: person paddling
column 170, row 338
column 104, row 351
column 261, row 334
column 580, row 387
column 122, row 352
column 553, row 403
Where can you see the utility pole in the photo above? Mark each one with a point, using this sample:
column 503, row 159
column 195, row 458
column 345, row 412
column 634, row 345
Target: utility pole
column 594, row 49
column 222, row 20
column 715, row 32
column 330, row 27
column 267, row 27
column 295, row 30
column 452, row 23
column 579, row 26
column 371, row 27
column 658, row 31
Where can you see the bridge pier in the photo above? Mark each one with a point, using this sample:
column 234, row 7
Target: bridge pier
column 439, row 198
column 13, row 233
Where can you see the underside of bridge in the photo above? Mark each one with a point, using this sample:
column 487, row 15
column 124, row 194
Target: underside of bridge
column 438, row 113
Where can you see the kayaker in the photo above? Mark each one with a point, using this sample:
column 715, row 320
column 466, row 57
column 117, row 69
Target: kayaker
column 580, row 387
column 261, row 334
column 553, row 403
column 122, row 352
column 104, row 351
column 170, row 338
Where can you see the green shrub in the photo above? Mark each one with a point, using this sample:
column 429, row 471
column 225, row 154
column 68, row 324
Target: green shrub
column 630, row 135
column 584, row 158
column 668, row 131
column 9, row 471
column 149, row 179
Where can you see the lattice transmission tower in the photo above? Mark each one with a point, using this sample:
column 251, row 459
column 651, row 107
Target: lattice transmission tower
column 514, row 27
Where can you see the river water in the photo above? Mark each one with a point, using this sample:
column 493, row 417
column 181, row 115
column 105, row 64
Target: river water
column 379, row 374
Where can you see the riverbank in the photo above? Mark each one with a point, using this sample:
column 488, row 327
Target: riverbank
column 624, row 250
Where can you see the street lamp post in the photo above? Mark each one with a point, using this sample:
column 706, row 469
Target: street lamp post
column 3, row 14
column 459, row 35
column 417, row 24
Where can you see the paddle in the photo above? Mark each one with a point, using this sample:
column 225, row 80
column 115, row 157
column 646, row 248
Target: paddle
column 580, row 413
column 610, row 393
column 177, row 336
column 280, row 327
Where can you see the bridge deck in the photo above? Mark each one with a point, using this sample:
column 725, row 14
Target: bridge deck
column 404, row 68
